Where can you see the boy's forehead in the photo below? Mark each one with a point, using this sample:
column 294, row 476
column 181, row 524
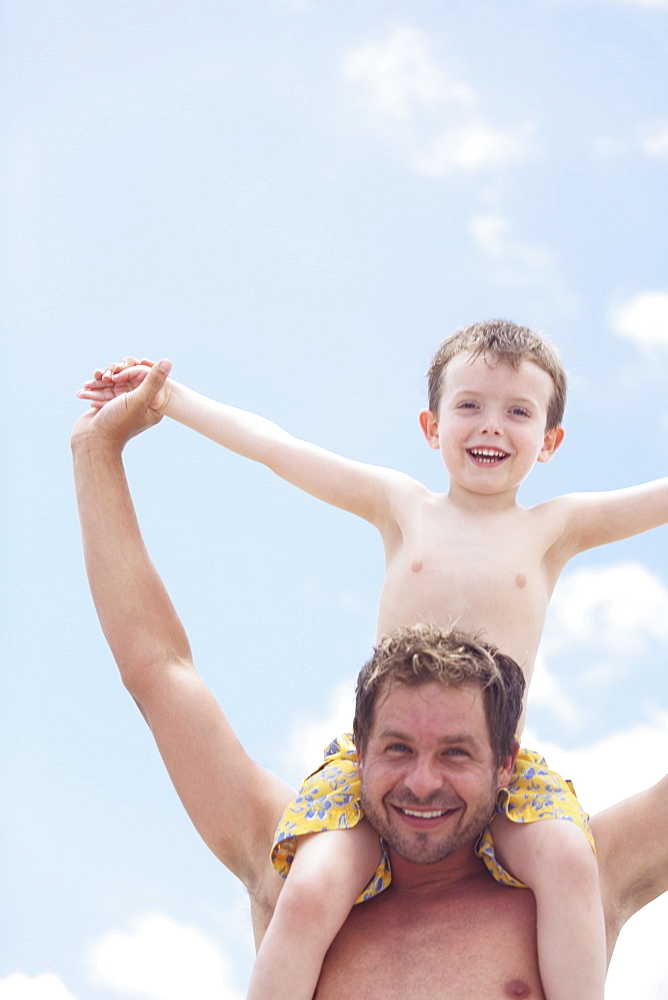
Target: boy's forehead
column 466, row 367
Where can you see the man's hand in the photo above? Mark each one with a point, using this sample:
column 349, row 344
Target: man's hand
column 124, row 404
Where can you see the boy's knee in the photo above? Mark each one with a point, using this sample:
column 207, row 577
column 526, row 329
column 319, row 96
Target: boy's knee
column 567, row 849
column 303, row 902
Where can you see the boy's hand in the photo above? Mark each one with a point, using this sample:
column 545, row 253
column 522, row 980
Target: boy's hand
column 116, row 367
column 118, row 378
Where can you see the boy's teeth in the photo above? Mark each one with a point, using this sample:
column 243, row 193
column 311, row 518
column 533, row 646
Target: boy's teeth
column 487, row 453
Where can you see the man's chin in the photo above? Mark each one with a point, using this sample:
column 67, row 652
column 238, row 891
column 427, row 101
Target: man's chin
column 421, row 847
column 428, row 848
column 418, row 852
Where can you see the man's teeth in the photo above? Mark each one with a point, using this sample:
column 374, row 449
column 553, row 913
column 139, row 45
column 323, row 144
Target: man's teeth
column 487, row 454
column 431, row 814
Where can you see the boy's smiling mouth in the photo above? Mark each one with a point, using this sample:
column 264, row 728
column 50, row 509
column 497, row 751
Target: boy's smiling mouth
column 487, row 456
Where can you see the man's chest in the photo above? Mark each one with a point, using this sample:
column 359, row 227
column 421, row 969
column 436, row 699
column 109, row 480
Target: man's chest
column 465, row 948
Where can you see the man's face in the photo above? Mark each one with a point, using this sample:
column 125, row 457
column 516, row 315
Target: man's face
column 429, row 779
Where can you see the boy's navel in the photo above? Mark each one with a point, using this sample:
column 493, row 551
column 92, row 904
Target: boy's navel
column 521, row 580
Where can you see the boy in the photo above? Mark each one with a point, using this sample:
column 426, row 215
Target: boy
column 471, row 556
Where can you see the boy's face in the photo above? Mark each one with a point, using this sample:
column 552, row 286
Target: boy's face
column 490, row 426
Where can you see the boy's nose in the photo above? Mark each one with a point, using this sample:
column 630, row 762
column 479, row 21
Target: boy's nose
column 491, row 424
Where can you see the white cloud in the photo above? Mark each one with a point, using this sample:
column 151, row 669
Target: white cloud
column 639, row 966
column 643, row 319
column 603, row 775
column 474, row 145
column 651, row 140
column 399, row 77
column 516, row 262
column 308, row 737
column 163, row 960
column 608, row 772
column 618, row 608
column 432, row 122
column 547, row 691
column 48, row 986
column 654, row 139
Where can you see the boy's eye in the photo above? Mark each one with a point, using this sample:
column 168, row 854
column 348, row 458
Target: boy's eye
column 467, row 405
column 519, row 411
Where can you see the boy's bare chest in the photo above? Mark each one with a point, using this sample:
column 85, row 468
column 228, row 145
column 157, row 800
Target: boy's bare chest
column 488, row 574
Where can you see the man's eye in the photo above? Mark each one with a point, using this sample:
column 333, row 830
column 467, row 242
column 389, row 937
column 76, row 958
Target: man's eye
column 398, row 748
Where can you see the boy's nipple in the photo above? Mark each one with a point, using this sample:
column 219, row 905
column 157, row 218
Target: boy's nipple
column 416, row 565
column 521, row 580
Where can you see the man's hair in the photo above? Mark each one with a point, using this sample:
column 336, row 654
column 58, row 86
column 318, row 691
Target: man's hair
column 419, row 654
column 506, row 342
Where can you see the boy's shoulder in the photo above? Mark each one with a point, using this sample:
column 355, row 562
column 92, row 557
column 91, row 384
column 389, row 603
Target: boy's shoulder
column 559, row 509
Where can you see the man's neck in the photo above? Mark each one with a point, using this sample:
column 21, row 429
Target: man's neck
column 409, row 877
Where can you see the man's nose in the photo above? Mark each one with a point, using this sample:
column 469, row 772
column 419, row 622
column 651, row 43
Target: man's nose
column 424, row 778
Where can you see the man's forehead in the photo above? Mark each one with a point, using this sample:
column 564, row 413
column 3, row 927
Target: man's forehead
column 440, row 704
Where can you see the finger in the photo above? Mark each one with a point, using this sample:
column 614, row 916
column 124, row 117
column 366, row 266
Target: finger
column 153, row 382
column 95, row 393
column 133, row 375
column 114, row 367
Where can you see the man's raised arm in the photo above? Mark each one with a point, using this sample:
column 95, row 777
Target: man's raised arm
column 223, row 790
column 632, row 849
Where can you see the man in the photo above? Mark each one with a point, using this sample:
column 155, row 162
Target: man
column 444, row 928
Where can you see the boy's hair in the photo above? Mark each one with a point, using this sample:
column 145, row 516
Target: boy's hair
column 509, row 343
column 419, row 654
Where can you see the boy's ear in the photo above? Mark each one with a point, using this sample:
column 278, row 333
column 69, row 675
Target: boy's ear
column 429, row 425
column 553, row 439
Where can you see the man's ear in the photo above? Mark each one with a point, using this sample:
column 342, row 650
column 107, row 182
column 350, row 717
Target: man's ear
column 553, row 439
column 429, row 425
column 508, row 766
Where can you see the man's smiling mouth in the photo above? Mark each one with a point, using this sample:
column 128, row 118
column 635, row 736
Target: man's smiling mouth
column 424, row 813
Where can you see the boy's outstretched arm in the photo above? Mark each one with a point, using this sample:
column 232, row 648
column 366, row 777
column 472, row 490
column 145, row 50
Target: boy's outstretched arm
column 600, row 518
column 369, row 491
column 223, row 790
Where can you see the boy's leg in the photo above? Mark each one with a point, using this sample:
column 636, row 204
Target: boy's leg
column 328, row 873
column 555, row 859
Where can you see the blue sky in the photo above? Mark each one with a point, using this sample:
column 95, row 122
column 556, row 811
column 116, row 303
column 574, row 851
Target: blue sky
column 296, row 201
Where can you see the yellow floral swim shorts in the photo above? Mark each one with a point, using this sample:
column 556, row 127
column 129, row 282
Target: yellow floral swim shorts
column 329, row 799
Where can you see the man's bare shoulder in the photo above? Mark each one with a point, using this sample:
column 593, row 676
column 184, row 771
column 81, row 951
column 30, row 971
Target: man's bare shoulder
column 473, row 941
